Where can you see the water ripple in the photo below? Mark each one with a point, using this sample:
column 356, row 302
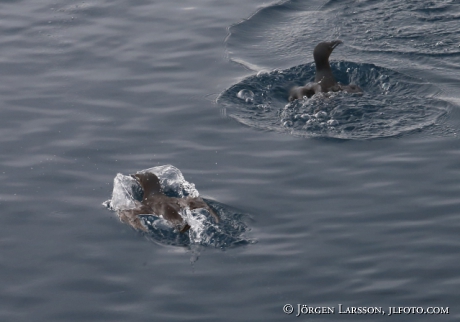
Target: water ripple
column 393, row 103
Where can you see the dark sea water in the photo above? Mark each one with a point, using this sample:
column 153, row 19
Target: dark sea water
column 364, row 216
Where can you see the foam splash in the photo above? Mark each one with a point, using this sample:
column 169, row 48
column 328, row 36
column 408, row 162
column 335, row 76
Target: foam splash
column 229, row 232
column 392, row 103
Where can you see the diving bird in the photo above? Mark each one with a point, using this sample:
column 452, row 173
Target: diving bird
column 155, row 202
column 324, row 79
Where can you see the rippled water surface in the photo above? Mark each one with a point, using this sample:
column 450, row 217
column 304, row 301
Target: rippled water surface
column 347, row 199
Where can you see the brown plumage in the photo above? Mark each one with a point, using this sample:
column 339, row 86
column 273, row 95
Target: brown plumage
column 155, row 202
column 324, row 79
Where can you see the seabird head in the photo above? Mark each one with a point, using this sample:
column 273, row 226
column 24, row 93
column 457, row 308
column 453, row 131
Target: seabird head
column 322, row 52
